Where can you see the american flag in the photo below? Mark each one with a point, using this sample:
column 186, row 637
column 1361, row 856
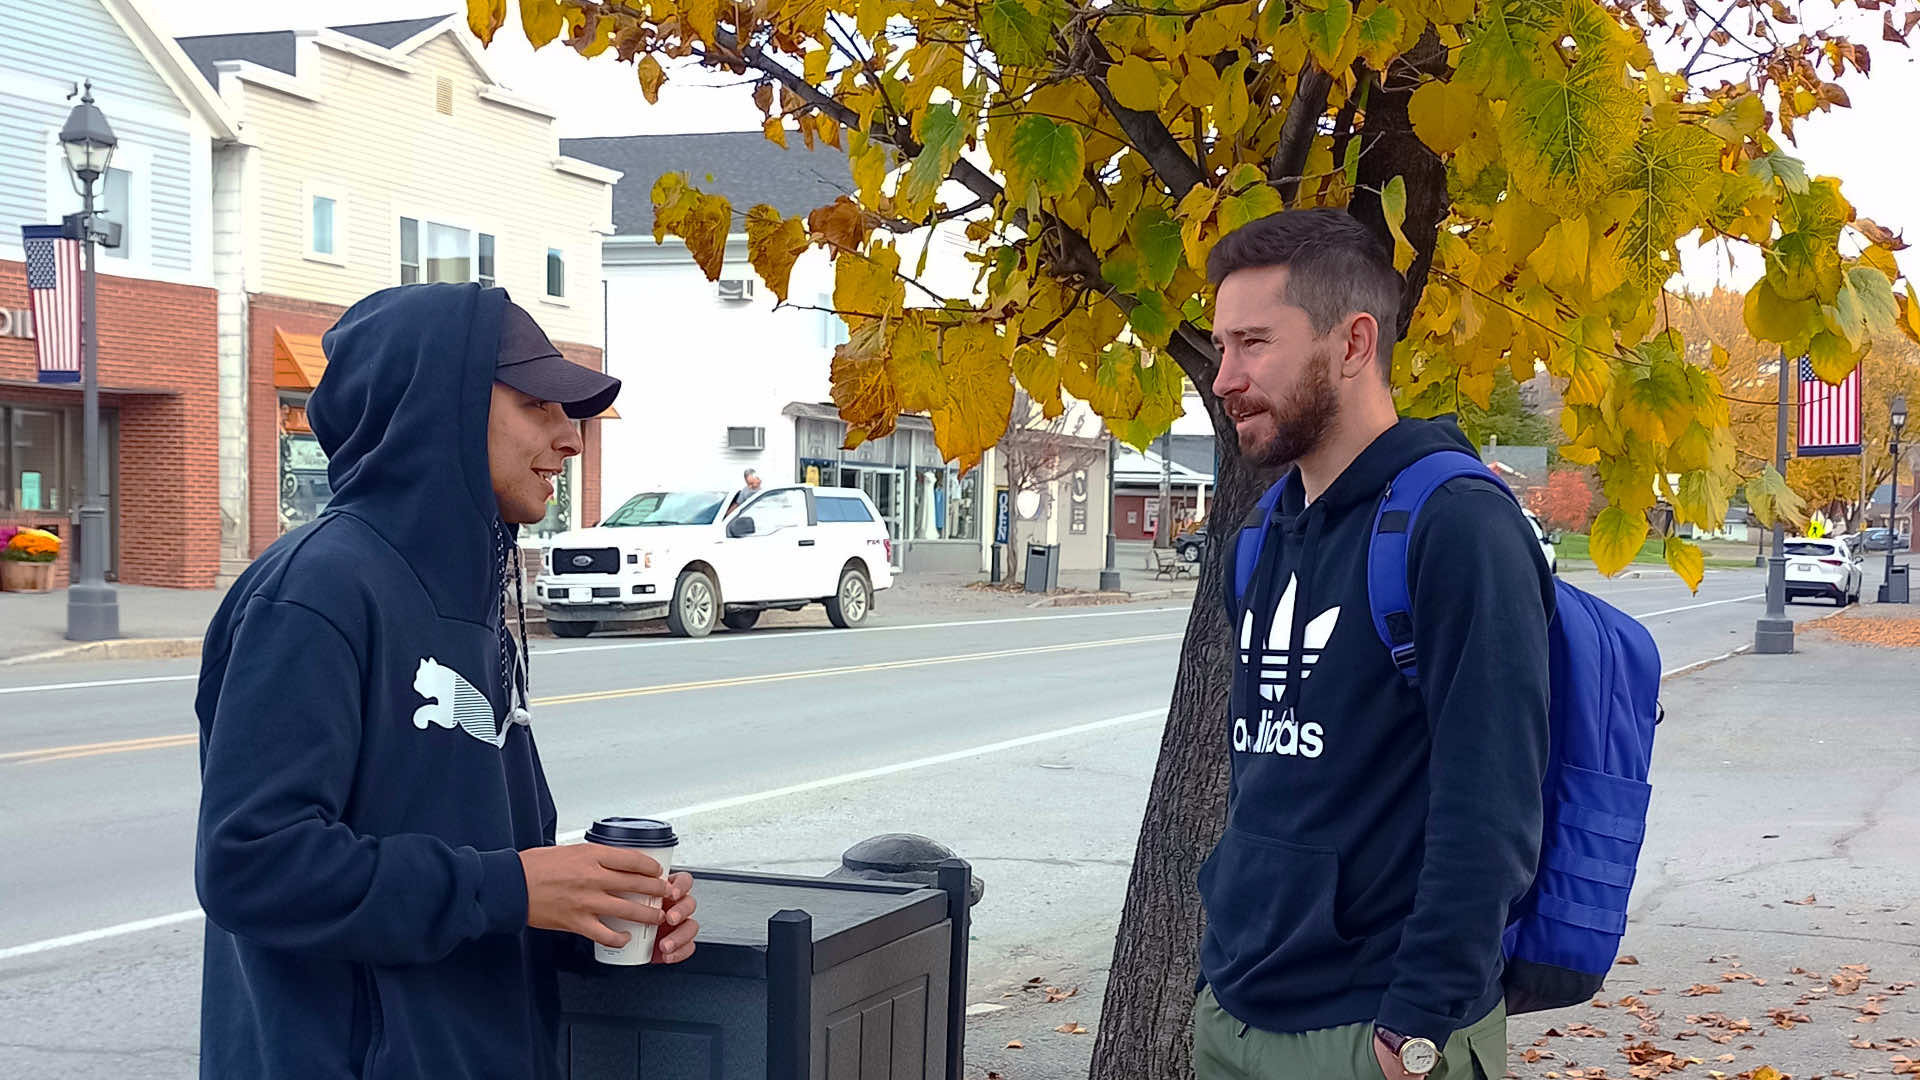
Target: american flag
column 1829, row 415
column 53, row 283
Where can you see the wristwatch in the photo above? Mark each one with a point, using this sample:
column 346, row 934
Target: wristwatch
column 1417, row 1056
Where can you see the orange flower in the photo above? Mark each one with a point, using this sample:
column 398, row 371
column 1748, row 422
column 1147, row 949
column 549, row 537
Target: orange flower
column 33, row 545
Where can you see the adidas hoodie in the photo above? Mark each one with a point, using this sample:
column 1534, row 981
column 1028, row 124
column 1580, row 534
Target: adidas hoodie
column 364, row 792
column 1376, row 833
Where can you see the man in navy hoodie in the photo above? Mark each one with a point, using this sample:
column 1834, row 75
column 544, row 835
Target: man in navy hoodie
column 1376, row 832
column 375, row 852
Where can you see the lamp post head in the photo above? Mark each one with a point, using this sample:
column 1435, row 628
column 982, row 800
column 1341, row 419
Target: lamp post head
column 88, row 139
column 1899, row 412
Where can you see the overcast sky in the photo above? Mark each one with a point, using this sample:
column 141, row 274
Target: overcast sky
column 1872, row 146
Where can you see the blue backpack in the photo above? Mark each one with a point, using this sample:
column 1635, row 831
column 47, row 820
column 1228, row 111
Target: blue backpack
column 1562, row 937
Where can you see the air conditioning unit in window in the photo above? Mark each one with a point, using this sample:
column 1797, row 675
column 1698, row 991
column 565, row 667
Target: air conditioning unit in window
column 737, row 290
column 746, row 438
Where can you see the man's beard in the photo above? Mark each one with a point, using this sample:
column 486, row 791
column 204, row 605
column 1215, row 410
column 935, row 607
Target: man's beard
column 1301, row 420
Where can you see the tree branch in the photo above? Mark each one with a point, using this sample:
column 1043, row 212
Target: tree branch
column 1144, row 130
column 1297, row 132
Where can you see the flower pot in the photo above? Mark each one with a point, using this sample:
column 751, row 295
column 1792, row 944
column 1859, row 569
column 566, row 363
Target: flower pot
column 16, row 576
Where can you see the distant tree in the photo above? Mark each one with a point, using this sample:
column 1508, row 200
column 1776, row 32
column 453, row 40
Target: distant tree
column 1564, row 502
column 1507, row 417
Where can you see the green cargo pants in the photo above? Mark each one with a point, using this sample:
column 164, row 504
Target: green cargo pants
column 1226, row 1049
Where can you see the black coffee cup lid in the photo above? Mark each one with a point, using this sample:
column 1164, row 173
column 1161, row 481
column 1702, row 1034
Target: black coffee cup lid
column 632, row 832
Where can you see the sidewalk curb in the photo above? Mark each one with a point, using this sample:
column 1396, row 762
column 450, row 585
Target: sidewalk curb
column 117, row 649
column 1743, row 650
column 1096, row 599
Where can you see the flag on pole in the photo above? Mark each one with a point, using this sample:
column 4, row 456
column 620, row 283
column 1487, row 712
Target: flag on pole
column 53, row 286
column 1829, row 415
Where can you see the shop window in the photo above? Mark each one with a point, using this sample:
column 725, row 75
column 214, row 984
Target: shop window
column 34, row 452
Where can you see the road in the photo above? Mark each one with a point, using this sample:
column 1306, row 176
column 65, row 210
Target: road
column 764, row 735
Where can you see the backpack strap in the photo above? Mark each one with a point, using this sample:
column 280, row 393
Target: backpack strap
column 1243, row 550
column 1387, row 593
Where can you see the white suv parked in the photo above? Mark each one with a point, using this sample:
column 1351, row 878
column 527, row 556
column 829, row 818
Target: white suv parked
column 677, row 555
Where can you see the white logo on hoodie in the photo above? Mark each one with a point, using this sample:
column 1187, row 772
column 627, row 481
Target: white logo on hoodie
column 452, row 701
column 1283, row 735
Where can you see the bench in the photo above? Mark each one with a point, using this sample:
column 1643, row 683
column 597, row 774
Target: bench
column 1168, row 564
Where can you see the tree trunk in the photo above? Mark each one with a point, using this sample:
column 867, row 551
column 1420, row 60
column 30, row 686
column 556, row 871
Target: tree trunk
column 1145, row 1023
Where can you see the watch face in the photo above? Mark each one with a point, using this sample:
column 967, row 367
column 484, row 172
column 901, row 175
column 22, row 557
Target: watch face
column 1419, row 1056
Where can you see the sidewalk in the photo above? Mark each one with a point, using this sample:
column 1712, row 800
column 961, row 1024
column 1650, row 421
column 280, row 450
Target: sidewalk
column 154, row 624
column 1781, row 837
column 168, row 623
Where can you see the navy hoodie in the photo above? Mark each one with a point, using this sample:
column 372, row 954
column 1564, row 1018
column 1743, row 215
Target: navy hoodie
column 1376, row 833
column 363, row 795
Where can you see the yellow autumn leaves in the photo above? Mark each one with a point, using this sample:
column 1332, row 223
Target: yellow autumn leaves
column 1111, row 146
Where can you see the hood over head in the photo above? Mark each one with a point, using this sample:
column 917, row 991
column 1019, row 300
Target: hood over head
column 402, row 415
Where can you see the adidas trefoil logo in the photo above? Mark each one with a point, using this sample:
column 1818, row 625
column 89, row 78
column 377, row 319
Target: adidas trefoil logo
column 1284, row 734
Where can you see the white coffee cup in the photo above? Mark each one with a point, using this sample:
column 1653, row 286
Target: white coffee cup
column 656, row 838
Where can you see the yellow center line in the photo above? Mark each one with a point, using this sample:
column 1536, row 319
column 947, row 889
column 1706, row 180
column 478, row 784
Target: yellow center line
column 162, row 742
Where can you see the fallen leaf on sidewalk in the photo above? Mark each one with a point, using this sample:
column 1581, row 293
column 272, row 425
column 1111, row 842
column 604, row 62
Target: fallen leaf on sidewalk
column 1055, row 994
column 1627, row 961
column 1699, row 989
column 1786, row 1019
column 1071, row 1029
column 1764, row 1072
column 1016, row 1045
column 1530, row 1056
column 1885, row 632
column 1743, row 976
column 1811, row 899
column 1905, row 1067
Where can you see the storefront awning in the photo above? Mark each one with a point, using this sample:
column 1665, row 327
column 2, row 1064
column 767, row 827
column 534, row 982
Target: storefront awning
column 298, row 360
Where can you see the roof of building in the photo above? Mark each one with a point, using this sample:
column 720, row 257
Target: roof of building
column 274, row 48
column 388, row 35
column 744, row 167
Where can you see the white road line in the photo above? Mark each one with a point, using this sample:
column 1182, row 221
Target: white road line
column 122, row 929
column 103, row 933
column 96, row 685
column 777, row 634
column 1707, row 604
column 706, row 643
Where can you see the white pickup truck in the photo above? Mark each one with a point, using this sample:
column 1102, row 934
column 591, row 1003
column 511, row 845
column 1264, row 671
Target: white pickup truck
column 680, row 555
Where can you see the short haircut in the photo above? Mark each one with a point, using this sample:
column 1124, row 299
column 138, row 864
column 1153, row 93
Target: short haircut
column 1335, row 267
column 748, row 474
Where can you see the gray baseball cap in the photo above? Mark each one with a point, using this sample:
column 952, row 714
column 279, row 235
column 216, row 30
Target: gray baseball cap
column 530, row 363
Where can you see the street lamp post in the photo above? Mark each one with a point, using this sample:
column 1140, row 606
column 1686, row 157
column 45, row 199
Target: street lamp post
column 1899, row 418
column 1774, row 631
column 1110, row 574
column 93, row 605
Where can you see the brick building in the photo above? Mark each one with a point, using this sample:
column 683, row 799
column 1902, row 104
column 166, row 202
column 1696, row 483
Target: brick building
column 156, row 301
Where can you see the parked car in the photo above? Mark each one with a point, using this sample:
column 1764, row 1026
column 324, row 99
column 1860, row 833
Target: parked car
column 1878, row 540
column 1191, row 547
column 678, row 555
column 1823, row 567
column 1547, row 541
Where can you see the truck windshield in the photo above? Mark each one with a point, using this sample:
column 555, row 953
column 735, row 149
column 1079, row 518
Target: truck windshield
column 668, row 508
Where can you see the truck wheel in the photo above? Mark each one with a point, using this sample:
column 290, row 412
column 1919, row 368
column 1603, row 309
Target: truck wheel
column 695, row 603
column 850, row 602
column 741, row 620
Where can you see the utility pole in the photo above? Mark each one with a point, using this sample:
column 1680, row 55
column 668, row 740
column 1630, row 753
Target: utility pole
column 1163, row 536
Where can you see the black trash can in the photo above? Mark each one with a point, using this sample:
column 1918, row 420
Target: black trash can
column 1043, row 567
column 1895, row 589
column 796, row 978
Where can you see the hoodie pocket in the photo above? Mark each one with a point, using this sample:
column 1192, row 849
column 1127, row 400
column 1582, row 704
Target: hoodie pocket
column 368, row 1022
column 1270, row 904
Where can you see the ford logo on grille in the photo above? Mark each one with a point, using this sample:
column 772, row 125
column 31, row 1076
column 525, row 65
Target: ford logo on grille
column 583, row 560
